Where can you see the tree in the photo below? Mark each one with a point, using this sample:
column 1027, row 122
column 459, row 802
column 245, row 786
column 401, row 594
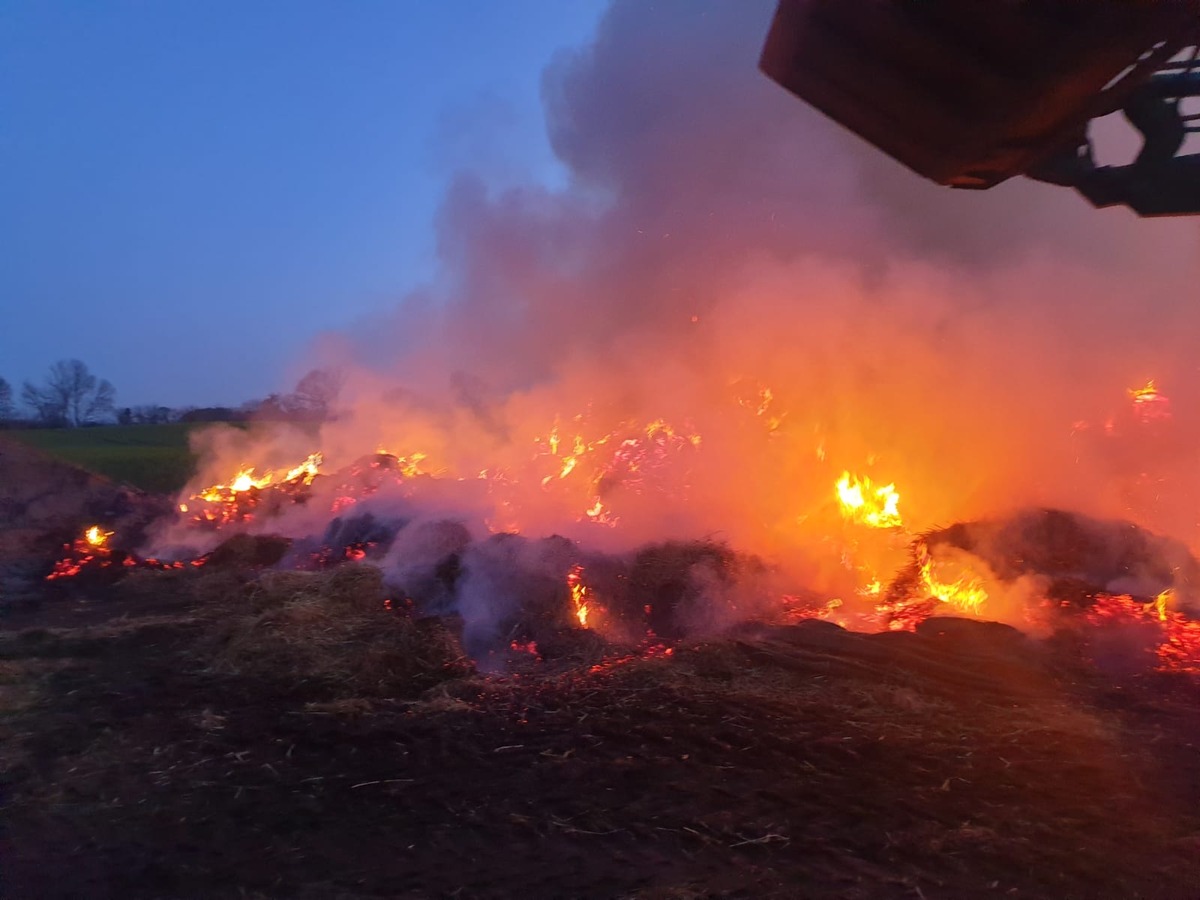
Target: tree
column 6, row 404
column 316, row 392
column 69, row 395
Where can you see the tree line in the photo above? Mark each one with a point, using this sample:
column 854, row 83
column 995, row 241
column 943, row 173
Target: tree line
column 70, row 396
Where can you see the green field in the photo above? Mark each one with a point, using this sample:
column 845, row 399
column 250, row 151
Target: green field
column 152, row 457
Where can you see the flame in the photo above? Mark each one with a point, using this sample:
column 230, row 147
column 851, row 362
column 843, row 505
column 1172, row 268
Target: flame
column 95, row 537
column 246, row 479
column 1149, row 403
column 239, row 484
column 1147, row 394
column 581, row 595
column 759, row 399
column 1162, row 604
column 1178, row 648
column 409, row 466
column 965, row 593
column 230, row 501
column 625, row 456
column 307, row 470
column 92, row 551
column 865, row 504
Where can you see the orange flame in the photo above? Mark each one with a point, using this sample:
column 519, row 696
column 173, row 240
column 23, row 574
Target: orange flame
column 95, row 537
column 865, row 504
column 1150, row 404
column 966, row 592
column 1178, row 649
column 581, row 595
column 1147, row 394
column 246, row 479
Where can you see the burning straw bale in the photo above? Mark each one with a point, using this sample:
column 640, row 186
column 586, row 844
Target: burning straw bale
column 1118, row 557
column 1037, row 567
column 335, row 630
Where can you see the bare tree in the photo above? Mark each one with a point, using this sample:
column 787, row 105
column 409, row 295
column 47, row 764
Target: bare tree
column 45, row 407
column 70, row 395
column 316, row 392
column 6, row 404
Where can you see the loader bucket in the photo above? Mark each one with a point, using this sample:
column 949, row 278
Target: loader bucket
column 969, row 93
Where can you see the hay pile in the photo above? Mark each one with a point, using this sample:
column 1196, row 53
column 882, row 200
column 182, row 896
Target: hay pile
column 334, row 631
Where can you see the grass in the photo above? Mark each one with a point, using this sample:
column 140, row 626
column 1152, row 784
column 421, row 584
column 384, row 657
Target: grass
column 151, row 457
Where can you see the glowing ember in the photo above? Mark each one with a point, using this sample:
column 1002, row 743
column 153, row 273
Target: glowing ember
column 796, row 609
column 628, row 456
column 91, row 551
column 866, row 504
column 1178, row 648
column 529, row 647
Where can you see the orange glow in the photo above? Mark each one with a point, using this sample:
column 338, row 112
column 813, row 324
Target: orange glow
column 1147, row 394
column 246, row 479
column 409, row 466
column 624, row 456
column 865, row 504
column 581, row 595
column 307, row 470
column 1178, row 648
column 230, row 501
column 95, row 537
column 965, row 593
column 91, row 547
column 1150, row 404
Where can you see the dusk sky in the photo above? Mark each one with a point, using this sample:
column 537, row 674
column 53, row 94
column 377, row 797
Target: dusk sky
column 189, row 192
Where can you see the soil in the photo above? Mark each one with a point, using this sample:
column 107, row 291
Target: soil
column 963, row 760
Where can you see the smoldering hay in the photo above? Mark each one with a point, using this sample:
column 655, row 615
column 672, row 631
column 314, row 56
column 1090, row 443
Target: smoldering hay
column 784, row 302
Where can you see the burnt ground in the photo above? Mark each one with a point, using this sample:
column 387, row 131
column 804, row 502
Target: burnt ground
column 161, row 738
column 800, row 761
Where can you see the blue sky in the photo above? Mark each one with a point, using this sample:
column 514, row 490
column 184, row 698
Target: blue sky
column 188, row 192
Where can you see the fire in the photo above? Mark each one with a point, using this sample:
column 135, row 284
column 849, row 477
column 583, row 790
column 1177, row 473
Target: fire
column 1149, row 403
column 232, row 501
column 759, row 399
column 95, row 537
column 1178, row 648
column 581, row 595
column 862, row 502
column 92, row 551
column 1147, row 394
column 409, row 466
column 307, row 470
column 627, row 456
column 246, row 479
column 90, row 548
column 965, row 593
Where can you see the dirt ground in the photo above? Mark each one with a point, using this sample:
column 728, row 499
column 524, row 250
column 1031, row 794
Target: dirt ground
column 963, row 760
column 789, row 762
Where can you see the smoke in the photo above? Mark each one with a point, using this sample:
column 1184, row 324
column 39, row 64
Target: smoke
column 787, row 300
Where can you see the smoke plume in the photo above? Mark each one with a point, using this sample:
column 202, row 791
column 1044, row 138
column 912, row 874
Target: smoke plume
column 786, row 302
